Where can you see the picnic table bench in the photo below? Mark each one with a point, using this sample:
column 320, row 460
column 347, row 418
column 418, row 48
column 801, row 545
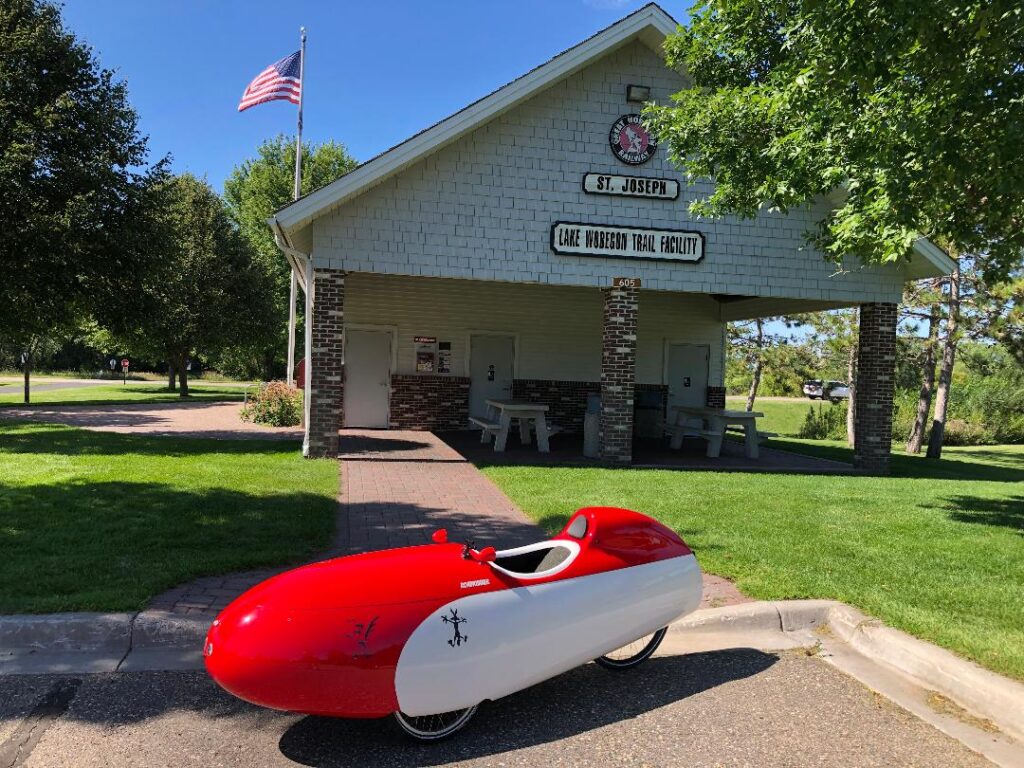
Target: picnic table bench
column 714, row 424
column 498, row 422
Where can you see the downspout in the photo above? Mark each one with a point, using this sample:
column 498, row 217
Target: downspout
column 303, row 264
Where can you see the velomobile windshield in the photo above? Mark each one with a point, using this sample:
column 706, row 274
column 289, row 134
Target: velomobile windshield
column 537, row 560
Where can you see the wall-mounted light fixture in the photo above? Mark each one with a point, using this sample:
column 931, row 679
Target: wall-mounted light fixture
column 638, row 94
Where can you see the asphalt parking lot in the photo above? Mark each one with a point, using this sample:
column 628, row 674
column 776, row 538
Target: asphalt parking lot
column 738, row 707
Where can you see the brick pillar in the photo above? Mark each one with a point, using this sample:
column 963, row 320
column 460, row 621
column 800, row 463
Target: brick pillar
column 618, row 373
column 876, row 365
column 326, row 377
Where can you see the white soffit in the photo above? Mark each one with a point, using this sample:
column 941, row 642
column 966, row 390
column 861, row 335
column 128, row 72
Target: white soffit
column 651, row 25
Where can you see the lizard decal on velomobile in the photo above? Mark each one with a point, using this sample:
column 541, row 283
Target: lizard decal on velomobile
column 386, row 632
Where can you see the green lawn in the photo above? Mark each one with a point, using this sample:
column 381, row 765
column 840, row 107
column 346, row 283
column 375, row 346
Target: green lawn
column 99, row 521
column 781, row 416
column 936, row 550
column 111, row 394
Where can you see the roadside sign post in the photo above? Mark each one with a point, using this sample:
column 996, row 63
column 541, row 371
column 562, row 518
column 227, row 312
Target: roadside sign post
column 124, row 371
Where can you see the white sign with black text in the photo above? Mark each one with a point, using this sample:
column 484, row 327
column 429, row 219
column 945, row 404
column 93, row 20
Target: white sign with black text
column 630, row 186
column 573, row 239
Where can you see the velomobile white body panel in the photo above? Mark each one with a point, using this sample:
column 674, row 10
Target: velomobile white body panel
column 518, row 637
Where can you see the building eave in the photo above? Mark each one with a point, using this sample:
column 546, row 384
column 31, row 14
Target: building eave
column 928, row 260
column 650, row 24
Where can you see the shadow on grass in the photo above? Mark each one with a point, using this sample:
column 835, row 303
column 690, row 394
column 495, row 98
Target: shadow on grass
column 26, row 437
column 1000, row 467
column 1004, row 513
column 114, row 545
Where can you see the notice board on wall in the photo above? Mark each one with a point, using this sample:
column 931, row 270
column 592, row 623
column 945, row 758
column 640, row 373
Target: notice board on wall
column 426, row 353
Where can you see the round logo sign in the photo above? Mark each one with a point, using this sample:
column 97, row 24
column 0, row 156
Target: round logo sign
column 630, row 141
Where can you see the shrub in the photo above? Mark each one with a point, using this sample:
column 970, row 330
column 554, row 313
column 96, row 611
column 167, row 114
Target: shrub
column 828, row 422
column 274, row 403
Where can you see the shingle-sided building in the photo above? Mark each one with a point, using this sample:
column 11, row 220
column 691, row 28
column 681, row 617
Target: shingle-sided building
column 537, row 245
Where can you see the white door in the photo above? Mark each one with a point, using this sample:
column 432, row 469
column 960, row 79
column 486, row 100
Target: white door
column 687, row 376
column 490, row 370
column 367, row 378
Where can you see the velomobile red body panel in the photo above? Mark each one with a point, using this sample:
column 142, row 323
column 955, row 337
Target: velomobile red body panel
column 357, row 636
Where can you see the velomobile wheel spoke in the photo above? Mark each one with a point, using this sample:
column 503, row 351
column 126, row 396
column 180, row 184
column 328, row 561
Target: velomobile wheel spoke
column 632, row 653
column 434, row 727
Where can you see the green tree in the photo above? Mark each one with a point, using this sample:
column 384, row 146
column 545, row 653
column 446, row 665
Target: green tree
column 911, row 111
column 206, row 290
column 257, row 188
column 70, row 153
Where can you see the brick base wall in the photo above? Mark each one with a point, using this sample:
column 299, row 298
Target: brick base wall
column 618, row 372
column 567, row 400
column 326, row 374
column 876, row 365
column 716, row 397
column 429, row 402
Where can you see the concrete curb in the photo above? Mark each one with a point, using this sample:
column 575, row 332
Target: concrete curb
column 66, row 633
column 161, row 629
column 978, row 690
column 123, row 641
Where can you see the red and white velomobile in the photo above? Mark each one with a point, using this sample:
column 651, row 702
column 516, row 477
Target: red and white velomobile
column 429, row 632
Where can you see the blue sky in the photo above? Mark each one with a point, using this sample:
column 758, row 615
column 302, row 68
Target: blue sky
column 377, row 72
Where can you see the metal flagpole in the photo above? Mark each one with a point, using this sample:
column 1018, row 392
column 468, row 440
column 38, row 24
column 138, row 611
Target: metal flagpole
column 297, row 192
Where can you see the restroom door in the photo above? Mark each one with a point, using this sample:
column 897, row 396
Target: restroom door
column 367, row 378
column 491, row 362
column 686, row 374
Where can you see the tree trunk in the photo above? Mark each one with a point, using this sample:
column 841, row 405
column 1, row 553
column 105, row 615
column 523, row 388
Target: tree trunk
column 28, row 386
column 755, row 382
column 170, row 375
column 948, row 358
column 924, row 398
column 851, row 377
column 183, row 381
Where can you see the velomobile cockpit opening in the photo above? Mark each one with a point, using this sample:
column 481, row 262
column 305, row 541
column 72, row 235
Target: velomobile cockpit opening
column 535, row 561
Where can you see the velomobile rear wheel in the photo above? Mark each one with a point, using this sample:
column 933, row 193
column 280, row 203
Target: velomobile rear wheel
column 434, row 727
column 632, row 654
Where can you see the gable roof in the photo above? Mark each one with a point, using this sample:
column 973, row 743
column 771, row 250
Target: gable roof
column 650, row 24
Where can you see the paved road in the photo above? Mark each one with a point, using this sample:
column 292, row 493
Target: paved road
column 728, row 708
column 45, row 385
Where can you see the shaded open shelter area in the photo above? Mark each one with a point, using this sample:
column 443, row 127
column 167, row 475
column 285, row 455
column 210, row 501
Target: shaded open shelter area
column 648, row 453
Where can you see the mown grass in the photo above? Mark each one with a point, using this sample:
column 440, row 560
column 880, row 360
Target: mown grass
column 99, row 521
column 936, row 550
column 112, row 394
column 783, row 416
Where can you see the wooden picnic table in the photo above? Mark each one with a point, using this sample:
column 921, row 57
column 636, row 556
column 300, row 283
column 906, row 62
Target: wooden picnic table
column 499, row 421
column 715, row 422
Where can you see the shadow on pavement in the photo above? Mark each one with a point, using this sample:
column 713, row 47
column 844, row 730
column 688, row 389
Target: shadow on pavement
column 581, row 700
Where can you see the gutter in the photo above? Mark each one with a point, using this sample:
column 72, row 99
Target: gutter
column 299, row 261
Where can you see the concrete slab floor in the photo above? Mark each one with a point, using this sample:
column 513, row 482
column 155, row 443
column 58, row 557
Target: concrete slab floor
column 737, row 707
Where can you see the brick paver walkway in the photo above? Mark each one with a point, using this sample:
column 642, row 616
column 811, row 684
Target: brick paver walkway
column 396, row 489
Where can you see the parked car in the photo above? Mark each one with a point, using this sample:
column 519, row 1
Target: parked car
column 817, row 389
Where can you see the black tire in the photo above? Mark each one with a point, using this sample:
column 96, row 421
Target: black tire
column 635, row 653
column 434, row 727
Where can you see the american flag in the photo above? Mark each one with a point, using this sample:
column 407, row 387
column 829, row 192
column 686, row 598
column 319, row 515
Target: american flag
column 278, row 81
